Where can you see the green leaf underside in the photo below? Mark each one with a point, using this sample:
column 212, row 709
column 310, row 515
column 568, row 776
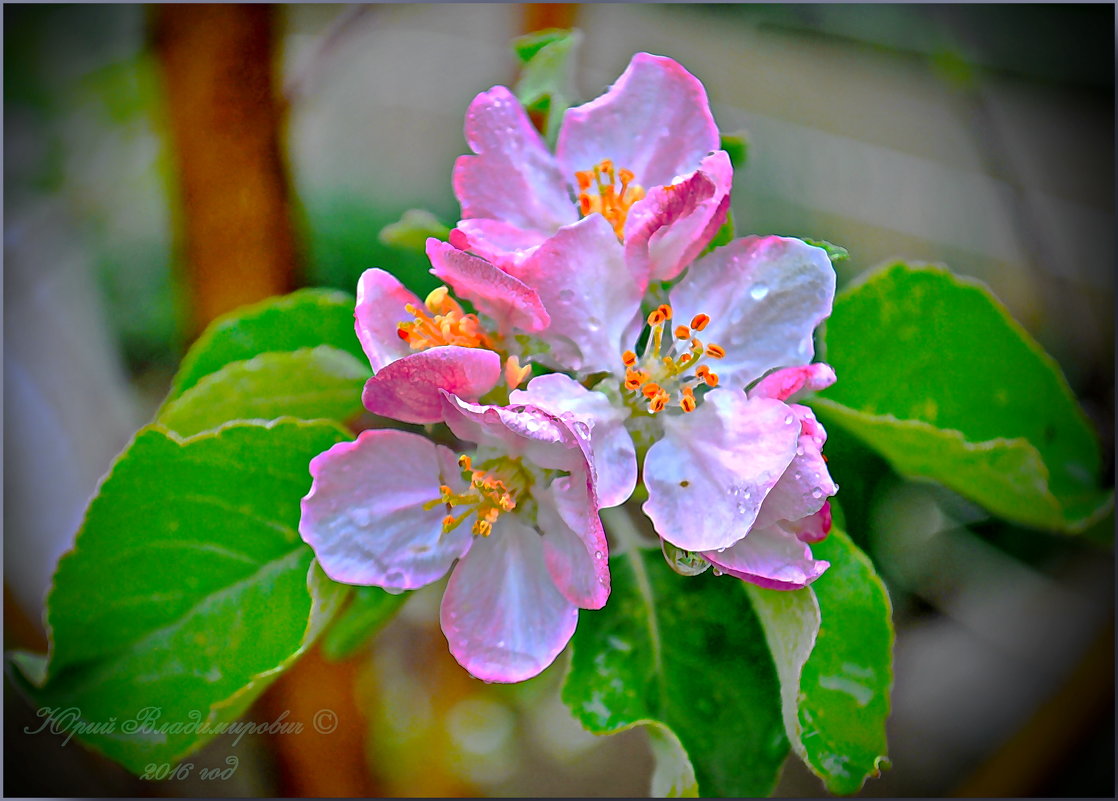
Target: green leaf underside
column 547, row 75
column 370, row 608
column 836, row 694
column 736, row 146
column 687, row 654
column 303, row 319
column 412, row 231
column 311, row 383
column 188, row 588
column 936, row 376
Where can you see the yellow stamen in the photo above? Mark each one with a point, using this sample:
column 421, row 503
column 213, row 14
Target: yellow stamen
column 441, row 321
column 611, row 201
column 515, row 373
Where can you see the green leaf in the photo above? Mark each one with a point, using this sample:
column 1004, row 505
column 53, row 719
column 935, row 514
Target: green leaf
column 736, row 146
column 312, row 383
column 370, row 608
column 686, row 654
column 412, row 231
column 303, row 319
column 833, row 647
column 673, row 775
column 188, row 589
column 529, row 44
column 835, row 253
column 546, row 82
column 938, row 378
column 724, row 235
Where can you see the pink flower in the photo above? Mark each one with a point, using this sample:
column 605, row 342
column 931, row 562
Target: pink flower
column 417, row 349
column 737, row 478
column 642, row 158
column 393, row 509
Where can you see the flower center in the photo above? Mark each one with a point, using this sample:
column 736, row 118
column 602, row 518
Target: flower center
column 442, row 321
column 494, row 488
column 612, row 201
column 669, row 372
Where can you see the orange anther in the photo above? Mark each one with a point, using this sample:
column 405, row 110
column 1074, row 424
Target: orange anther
column 665, row 310
column 702, row 370
column 448, row 521
column 583, row 179
column 699, row 321
column 656, row 317
column 715, row 351
column 584, row 205
column 628, row 358
column 403, row 333
column 465, row 462
column 659, row 402
column 682, row 332
column 711, row 379
column 625, row 175
column 687, row 403
column 650, row 390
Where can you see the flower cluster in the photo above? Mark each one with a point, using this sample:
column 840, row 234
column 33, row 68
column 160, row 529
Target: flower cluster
column 660, row 363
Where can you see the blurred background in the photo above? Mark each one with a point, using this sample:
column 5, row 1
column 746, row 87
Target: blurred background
column 165, row 164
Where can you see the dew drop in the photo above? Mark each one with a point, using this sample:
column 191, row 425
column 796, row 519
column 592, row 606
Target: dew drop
column 759, row 291
column 800, row 451
column 566, row 295
column 582, row 429
column 788, row 420
column 796, row 475
column 817, row 493
column 716, row 572
column 500, row 643
column 593, row 324
column 721, row 550
column 597, row 554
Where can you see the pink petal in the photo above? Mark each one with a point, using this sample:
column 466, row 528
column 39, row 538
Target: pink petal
column 614, row 457
column 499, row 243
column 521, row 431
column 806, row 484
column 493, row 291
column 514, row 177
column 502, row 614
column 589, row 293
column 655, row 120
column 770, row 557
column 713, row 468
column 574, row 541
column 765, row 296
column 670, row 227
column 783, row 384
column 814, row 528
column 408, row 389
column 364, row 514
column 380, row 306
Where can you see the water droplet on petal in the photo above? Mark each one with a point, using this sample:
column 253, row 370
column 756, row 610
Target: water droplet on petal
column 717, row 572
column 721, row 550
column 597, row 554
column 759, row 291
column 566, row 296
column 788, row 420
column 817, row 493
column 593, row 324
